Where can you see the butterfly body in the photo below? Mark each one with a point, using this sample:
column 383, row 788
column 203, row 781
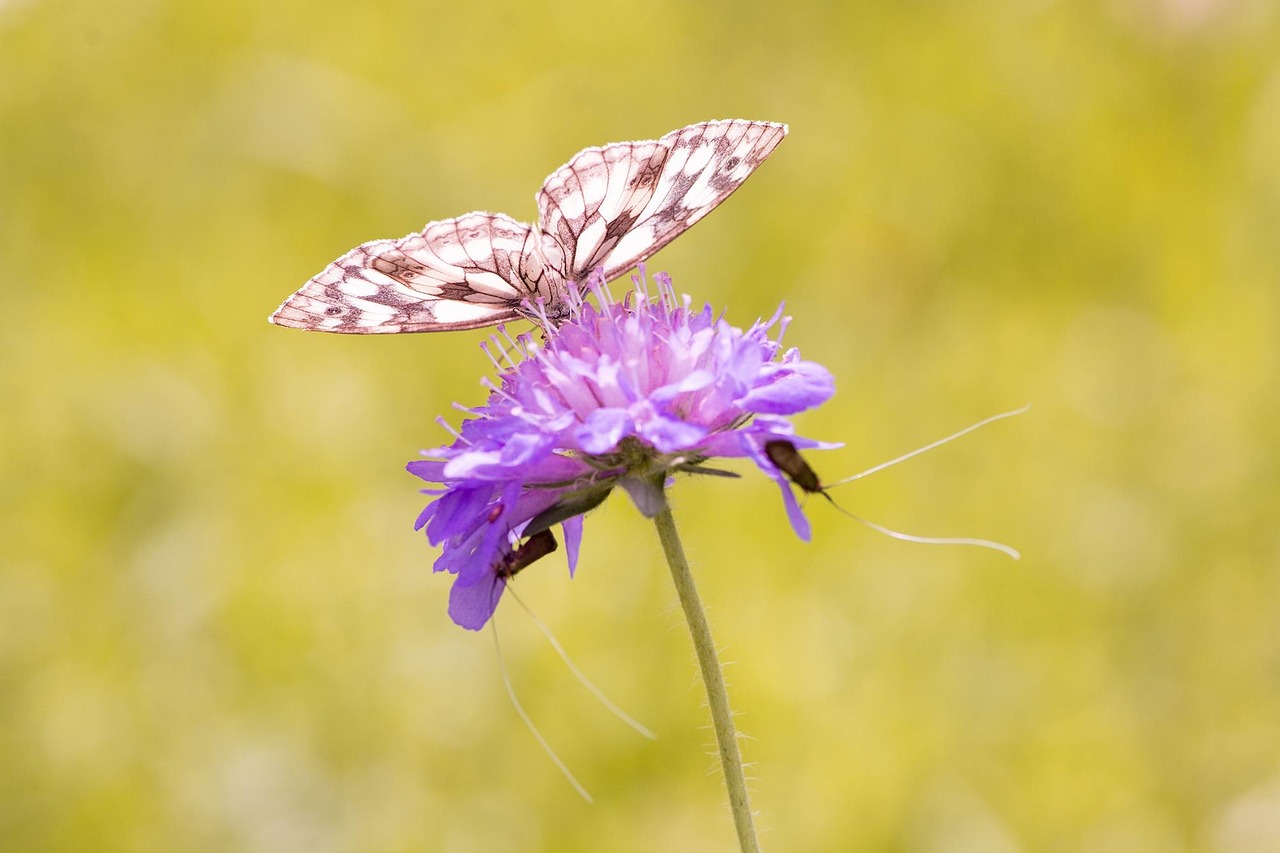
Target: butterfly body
column 608, row 208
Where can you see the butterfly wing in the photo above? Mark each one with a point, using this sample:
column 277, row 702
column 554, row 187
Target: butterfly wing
column 461, row 273
column 706, row 163
column 611, row 207
column 590, row 203
column 617, row 205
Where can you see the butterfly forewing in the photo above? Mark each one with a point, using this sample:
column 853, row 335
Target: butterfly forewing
column 707, row 163
column 592, row 202
column 610, row 207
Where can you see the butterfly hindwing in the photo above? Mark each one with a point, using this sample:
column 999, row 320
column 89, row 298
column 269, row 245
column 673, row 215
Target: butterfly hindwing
column 463, row 273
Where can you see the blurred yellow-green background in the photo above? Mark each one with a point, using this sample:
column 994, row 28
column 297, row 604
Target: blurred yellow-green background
column 219, row 632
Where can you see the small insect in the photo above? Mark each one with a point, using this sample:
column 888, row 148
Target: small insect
column 608, row 208
column 534, row 548
column 788, row 460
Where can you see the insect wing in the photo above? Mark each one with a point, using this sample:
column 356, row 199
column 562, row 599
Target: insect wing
column 705, row 164
column 534, row 548
column 462, row 273
column 611, row 207
column 590, row 203
column 787, row 459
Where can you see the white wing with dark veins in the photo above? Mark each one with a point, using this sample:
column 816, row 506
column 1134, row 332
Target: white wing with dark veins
column 461, row 273
column 591, row 202
column 609, row 207
column 705, row 164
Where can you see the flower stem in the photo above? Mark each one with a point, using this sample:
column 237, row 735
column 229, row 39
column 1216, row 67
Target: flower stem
column 712, row 677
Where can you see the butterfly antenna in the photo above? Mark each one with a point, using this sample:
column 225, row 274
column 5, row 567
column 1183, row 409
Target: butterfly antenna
column 931, row 540
column 904, row 457
column 582, row 679
column 535, row 311
column 511, row 694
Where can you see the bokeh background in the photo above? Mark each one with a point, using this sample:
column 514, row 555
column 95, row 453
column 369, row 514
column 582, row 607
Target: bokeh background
column 219, row 632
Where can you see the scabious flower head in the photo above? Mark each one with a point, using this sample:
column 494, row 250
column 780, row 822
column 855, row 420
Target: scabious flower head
column 624, row 394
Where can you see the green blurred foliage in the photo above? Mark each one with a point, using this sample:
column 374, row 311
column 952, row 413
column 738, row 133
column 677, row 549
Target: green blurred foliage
column 220, row 633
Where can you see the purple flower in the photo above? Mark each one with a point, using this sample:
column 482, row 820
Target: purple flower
column 621, row 395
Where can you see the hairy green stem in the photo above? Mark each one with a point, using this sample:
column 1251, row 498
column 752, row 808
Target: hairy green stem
column 712, row 677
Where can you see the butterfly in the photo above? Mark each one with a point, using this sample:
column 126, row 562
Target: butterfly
column 608, row 208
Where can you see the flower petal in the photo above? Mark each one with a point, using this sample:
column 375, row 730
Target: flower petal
column 787, row 389
column 472, row 605
column 572, row 528
column 603, row 429
column 799, row 522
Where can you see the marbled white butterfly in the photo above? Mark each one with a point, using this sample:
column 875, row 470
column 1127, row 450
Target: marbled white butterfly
column 609, row 207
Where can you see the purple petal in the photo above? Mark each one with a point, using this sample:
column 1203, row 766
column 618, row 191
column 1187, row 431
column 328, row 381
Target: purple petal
column 696, row 380
column 472, row 605
column 457, row 513
column 790, row 388
column 426, row 514
column 603, row 429
column 429, row 470
column 670, row 435
column 799, row 523
column 572, row 529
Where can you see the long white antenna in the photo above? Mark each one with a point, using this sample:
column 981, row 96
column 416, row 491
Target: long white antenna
column 587, row 683
column 787, row 459
column 904, row 457
column 933, row 540
column 511, row 693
